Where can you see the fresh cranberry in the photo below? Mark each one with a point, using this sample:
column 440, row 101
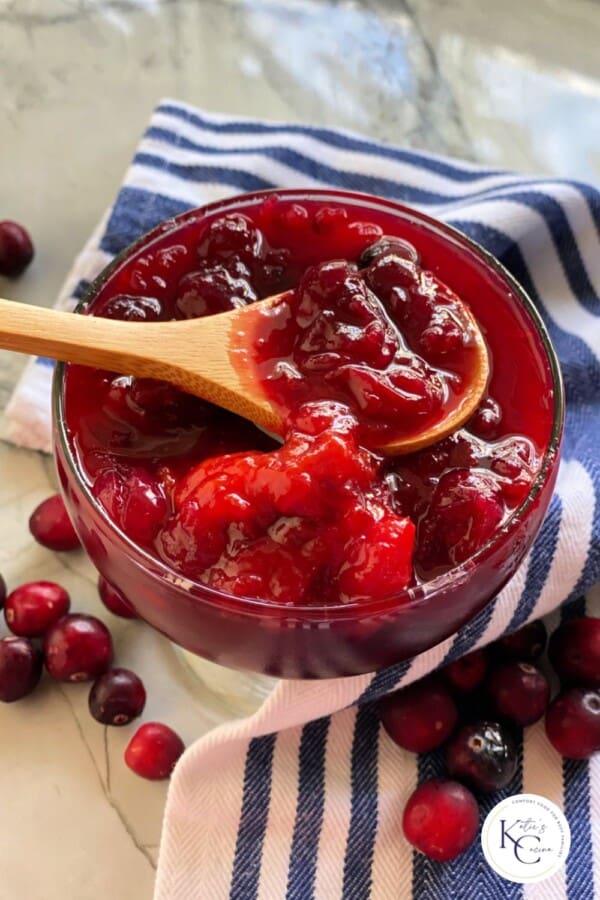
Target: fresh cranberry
column 573, row 722
column 77, row 648
column 483, row 754
column 468, row 672
column 441, row 819
column 51, row 526
column 33, row 607
column 16, row 249
column 117, row 697
column 519, row 691
column 20, row 667
column 130, row 308
column 574, row 651
column 421, row 716
column 114, row 600
column 153, row 751
column 526, row 644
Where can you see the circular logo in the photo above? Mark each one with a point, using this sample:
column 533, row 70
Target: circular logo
column 525, row 838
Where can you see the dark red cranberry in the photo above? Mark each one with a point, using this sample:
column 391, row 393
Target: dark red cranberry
column 468, row 672
column 419, row 717
column 526, row 644
column 51, row 526
column 130, row 308
column 16, row 249
column 486, row 419
column 117, row 697
column 465, row 511
column 2, row 591
column 388, row 246
column 77, row 648
column 574, row 651
column 519, row 691
column 211, row 291
column 441, row 819
column 153, row 751
column 20, row 668
column 573, row 722
column 33, row 607
column 114, row 600
column 483, row 754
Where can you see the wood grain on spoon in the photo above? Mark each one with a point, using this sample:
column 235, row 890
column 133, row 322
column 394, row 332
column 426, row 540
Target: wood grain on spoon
column 203, row 356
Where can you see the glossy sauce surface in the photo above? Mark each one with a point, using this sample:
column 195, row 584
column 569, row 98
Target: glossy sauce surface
column 320, row 520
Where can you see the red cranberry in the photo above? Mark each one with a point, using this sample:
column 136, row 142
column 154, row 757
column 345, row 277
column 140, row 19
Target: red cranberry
column 573, row 722
column 117, row 697
column 20, row 668
column 483, row 754
column 114, row 600
column 526, row 644
column 130, row 308
column 33, row 607
column 16, row 249
column 421, row 716
column 51, row 526
column 388, row 246
column 574, row 651
column 486, row 419
column 153, row 751
column 519, row 691
column 466, row 673
column 211, row 291
column 441, row 819
column 77, row 648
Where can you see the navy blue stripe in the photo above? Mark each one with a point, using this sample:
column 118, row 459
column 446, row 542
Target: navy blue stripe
column 358, row 859
column 309, row 811
column 136, row 212
column 253, row 819
column 44, row 361
column 541, row 558
column 564, row 242
column 579, row 862
column 467, row 876
column 384, row 681
column 341, row 140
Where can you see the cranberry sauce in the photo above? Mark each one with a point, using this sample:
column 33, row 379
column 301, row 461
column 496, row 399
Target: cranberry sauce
column 320, row 520
column 385, row 338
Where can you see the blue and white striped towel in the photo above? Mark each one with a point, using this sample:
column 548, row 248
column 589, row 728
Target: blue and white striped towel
column 304, row 799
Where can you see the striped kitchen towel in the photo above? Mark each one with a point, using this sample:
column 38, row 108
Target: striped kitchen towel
column 304, row 799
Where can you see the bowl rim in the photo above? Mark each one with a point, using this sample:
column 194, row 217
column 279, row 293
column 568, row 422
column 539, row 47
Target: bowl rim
column 410, row 597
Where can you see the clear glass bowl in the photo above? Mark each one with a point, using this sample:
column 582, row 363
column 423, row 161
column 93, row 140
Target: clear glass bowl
column 346, row 639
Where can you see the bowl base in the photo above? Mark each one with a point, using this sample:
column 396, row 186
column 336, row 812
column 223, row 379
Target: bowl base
column 235, row 694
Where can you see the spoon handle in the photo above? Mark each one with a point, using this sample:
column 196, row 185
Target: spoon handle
column 90, row 341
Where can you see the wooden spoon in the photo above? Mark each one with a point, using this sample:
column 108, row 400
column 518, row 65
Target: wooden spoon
column 204, row 356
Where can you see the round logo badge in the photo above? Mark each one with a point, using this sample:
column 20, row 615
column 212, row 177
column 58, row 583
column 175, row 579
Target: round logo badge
column 525, row 838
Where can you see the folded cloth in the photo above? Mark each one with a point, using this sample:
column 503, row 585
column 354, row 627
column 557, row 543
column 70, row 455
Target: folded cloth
column 304, row 799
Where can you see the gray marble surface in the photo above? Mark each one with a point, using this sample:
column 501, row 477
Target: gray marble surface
column 511, row 84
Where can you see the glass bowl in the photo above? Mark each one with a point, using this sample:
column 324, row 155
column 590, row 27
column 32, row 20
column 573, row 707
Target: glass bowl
column 345, row 639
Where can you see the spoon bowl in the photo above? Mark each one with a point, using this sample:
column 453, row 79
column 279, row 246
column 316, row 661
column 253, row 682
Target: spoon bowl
column 211, row 357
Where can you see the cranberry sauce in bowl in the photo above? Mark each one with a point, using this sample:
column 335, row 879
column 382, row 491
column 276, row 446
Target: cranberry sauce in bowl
column 318, row 557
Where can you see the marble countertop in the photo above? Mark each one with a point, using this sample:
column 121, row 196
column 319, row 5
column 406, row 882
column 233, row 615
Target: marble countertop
column 515, row 85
